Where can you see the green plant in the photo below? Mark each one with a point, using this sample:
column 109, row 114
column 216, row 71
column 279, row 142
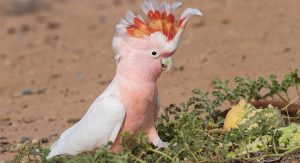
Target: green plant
column 194, row 129
column 254, row 89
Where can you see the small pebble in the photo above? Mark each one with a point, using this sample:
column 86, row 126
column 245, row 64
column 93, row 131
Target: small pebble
column 117, row 2
column 225, row 21
column 44, row 140
column 26, row 91
column 79, row 77
column 41, row 91
column 13, row 148
column 11, row 30
column 24, row 106
column 3, row 138
column 28, row 120
column 181, row 68
column 287, row 49
column 53, row 135
column 73, row 120
column 24, row 139
column 2, row 56
column 243, row 58
column 4, row 142
column 103, row 19
column 5, row 122
column 55, row 76
column 30, row 91
column 25, row 28
column 3, row 149
column 203, row 59
column 51, row 119
column 34, row 141
column 53, row 25
column 199, row 24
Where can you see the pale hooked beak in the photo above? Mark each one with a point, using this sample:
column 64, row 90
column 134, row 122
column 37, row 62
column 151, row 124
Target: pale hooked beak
column 166, row 63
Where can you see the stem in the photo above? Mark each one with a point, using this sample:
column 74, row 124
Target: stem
column 193, row 153
column 217, row 131
column 286, row 107
column 177, row 154
column 140, row 156
column 161, row 153
column 137, row 159
column 264, row 143
column 298, row 92
column 186, row 144
column 272, row 155
column 288, row 115
column 292, row 118
column 287, row 95
column 282, row 98
column 274, row 146
column 158, row 160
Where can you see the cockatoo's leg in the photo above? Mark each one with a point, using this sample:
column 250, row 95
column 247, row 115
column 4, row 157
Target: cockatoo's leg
column 155, row 139
column 116, row 146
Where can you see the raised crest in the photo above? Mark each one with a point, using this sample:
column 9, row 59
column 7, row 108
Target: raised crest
column 161, row 18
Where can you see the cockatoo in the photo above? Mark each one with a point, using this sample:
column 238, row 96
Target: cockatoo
column 130, row 103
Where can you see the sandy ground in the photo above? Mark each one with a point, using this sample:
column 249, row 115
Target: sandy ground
column 58, row 54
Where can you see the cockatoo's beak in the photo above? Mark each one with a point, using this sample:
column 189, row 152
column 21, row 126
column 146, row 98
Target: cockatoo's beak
column 166, row 63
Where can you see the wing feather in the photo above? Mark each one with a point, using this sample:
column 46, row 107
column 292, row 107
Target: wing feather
column 100, row 124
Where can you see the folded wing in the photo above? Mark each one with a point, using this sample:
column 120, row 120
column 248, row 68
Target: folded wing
column 99, row 125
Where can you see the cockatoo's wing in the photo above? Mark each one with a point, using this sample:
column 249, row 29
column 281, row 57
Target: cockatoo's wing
column 97, row 127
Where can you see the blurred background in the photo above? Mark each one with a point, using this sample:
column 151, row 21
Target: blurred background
column 56, row 56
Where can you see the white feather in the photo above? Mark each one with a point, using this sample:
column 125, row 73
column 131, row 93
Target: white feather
column 189, row 12
column 141, row 18
column 98, row 126
column 152, row 5
column 124, row 22
column 175, row 5
column 129, row 17
column 163, row 6
column 144, row 7
column 121, row 26
column 168, row 8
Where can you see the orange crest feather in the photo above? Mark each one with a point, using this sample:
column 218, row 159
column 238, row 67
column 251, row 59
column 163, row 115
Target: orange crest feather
column 161, row 19
column 158, row 22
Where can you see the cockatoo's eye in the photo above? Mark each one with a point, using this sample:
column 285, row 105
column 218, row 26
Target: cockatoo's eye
column 155, row 54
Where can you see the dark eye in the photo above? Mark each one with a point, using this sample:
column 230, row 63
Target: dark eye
column 154, row 54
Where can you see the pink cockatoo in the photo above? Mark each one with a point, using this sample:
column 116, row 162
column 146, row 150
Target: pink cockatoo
column 130, row 103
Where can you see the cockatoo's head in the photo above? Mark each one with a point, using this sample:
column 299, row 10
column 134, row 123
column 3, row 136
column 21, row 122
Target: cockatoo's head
column 149, row 44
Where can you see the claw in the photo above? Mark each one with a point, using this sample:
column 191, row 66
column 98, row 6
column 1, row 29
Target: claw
column 162, row 144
